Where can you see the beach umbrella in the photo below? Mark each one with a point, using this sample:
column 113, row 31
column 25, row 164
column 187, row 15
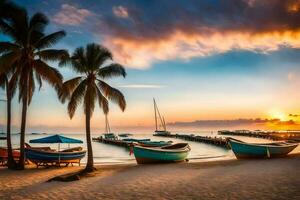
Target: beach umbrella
column 56, row 139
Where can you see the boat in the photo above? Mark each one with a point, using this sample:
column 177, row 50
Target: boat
column 264, row 150
column 4, row 155
column 154, row 143
column 124, row 134
column 3, row 137
column 46, row 156
column 158, row 131
column 171, row 153
column 135, row 140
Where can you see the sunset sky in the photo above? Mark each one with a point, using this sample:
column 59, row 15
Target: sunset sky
column 206, row 61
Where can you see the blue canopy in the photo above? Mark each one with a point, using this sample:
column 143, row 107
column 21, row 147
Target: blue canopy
column 55, row 139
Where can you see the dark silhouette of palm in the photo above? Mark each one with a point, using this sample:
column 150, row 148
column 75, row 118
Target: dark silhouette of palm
column 25, row 55
column 89, row 86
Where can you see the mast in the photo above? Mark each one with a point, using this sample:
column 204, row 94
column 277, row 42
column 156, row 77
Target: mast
column 164, row 124
column 154, row 104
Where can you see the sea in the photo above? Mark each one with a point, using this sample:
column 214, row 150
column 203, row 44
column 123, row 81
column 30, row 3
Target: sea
column 106, row 154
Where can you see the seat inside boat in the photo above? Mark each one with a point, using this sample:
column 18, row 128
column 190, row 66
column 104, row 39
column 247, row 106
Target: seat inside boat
column 72, row 149
column 175, row 146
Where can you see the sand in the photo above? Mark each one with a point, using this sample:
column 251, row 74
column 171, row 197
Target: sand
column 232, row 179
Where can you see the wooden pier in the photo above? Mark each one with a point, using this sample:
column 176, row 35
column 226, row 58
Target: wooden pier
column 271, row 135
column 120, row 143
column 217, row 141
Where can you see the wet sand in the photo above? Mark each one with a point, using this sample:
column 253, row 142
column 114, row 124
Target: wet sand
column 231, row 179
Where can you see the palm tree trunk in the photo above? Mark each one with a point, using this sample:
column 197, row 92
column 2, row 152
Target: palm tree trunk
column 23, row 127
column 90, row 162
column 10, row 162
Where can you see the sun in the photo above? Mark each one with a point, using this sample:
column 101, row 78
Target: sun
column 276, row 114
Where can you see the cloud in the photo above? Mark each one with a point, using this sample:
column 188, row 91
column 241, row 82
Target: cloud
column 165, row 31
column 234, row 122
column 70, row 15
column 120, row 11
column 294, row 115
column 141, row 86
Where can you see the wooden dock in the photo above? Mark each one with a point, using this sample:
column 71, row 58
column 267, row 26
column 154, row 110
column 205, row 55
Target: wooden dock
column 217, row 141
column 120, row 143
column 271, row 135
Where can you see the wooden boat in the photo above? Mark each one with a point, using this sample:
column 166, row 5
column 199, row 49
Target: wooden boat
column 4, row 155
column 171, row 153
column 47, row 156
column 154, row 143
column 136, row 140
column 254, row 150
column 158, row 131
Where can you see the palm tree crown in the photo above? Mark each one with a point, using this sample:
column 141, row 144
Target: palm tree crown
column 90, row 86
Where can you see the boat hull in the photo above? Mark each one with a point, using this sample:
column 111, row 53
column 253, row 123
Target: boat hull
column 161, row 133
column 147, row 155
column 45, row 156
column 248, row 150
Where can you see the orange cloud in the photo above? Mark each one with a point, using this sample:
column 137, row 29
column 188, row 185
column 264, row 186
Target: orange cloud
column 185, row 45
column 71, row 15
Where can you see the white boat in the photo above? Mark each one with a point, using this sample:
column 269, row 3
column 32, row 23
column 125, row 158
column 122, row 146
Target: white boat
column 160, row 129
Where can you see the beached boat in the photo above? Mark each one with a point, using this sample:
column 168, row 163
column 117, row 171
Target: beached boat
column 255, row 150
column 135, row 140
column 171, row 153
column 154, row 143
column 160, row 129
column 44, row 156
column 4, row 155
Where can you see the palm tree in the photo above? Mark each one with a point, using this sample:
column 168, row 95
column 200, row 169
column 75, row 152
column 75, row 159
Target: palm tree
column 8, row 85
column 7, row 8
column 26, row 54
column 91, row 63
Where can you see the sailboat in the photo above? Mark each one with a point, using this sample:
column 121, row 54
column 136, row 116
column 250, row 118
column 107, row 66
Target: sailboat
column 158, row 131
column 108, row 134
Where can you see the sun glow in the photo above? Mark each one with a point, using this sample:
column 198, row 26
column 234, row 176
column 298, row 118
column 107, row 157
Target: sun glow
column 276, row 114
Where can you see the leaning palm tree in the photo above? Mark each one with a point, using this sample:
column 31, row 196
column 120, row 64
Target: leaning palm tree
column 91, row 65
column 27, row 53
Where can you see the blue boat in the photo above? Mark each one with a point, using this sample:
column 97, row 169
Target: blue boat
column 154, row 143
column 135, row 140
column 172, row 153
column 44, row 156
column 254, row 150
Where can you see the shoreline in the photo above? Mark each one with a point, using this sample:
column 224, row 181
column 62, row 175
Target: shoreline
column 223, row 179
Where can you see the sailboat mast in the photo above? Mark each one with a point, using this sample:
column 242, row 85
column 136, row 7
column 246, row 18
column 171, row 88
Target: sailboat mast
column 106, row 128
column 164, row 124
column 154, row 104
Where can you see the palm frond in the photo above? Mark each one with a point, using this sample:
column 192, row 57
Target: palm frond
column 50, row 74
column 7, row 30
column 31, row 87
column 103, row 103
column 112, row 70
column 76, row 98
column 6, row 47
column 68, row 88
column 2, row 81
column 53, row 54
column 50, row 40
column 112, row 94
column 38, row 22
column 7, row 61
column 39, row 80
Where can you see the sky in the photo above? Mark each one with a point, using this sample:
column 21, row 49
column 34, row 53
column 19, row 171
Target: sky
column 209, row 64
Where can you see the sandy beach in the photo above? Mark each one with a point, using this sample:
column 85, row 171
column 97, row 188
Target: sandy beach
column 232, row 179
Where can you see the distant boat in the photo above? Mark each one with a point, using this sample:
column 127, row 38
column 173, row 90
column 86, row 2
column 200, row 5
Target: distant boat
column 158, row 131
column 255, row 150
column 172, row 153
column 2, row 137
column 154, row 143
column 124, row 134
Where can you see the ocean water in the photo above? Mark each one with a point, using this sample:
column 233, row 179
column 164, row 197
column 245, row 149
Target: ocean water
column 109, row 154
